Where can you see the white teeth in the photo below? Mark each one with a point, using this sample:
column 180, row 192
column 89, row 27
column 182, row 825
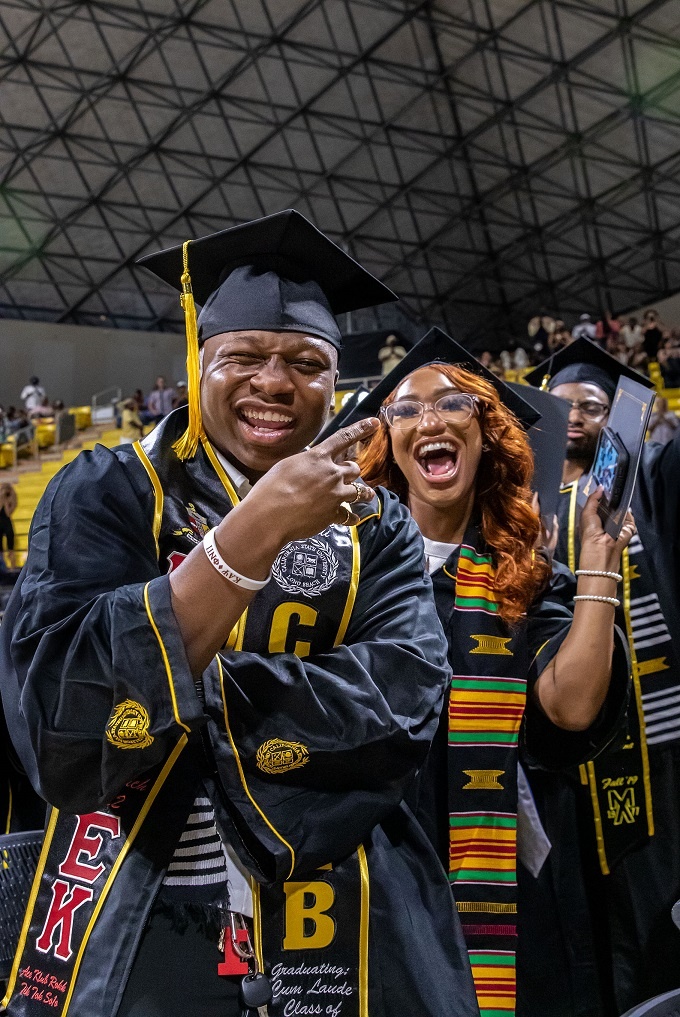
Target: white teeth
column 267, row 415
column 436, row 446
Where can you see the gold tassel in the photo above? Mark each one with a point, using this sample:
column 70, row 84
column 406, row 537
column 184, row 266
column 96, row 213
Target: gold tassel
column 187, row 445
column 544, row 383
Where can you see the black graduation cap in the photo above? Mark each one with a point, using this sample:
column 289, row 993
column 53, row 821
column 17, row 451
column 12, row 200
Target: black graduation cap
column 583, row 361
column 548, row 440
column 435, row 347
column 276, row 274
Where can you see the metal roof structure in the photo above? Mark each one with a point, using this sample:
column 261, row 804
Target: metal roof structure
column 485, row 158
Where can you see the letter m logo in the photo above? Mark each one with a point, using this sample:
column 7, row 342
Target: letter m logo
column 621, row 806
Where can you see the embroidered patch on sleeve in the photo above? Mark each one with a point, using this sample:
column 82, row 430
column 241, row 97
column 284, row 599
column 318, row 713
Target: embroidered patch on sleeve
column 128, row 726
column 279, row 756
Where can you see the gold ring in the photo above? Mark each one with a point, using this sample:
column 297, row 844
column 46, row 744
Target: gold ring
column 359, row 490
column 348, row 510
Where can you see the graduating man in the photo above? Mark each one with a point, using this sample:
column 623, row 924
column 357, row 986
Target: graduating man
column 602, row 905
column 222, row 661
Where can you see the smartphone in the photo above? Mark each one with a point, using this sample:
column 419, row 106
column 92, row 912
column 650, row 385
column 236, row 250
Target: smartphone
column 610, row 467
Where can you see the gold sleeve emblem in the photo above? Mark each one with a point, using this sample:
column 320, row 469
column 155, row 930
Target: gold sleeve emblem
column 128, row 726
column 279, row 756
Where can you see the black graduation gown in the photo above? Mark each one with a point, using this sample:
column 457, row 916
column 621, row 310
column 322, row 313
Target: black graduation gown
column 90, row 628
column 443, row 789
column 597, row 945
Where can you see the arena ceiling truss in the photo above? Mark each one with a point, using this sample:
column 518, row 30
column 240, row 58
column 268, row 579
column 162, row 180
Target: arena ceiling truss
column 485, row 158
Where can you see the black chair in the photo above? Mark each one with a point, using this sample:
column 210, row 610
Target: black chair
column 18, row 859
column 665, row 1005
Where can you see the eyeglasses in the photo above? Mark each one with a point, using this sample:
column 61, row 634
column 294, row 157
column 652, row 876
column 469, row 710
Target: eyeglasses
column 455, row 408
column 590, row 408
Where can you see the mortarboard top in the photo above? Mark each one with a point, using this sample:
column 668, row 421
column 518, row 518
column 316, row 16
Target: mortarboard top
column 583, row 361
column 276, row 274
column 548, row 440
column 435, row 347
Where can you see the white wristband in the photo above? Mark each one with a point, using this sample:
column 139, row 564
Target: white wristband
column 218, row 562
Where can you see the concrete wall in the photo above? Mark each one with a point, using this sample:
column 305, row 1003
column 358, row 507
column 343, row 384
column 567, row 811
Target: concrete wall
column 75, row 361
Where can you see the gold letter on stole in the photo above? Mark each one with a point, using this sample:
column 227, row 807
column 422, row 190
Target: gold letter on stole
column 281, row 622
column 323, row 932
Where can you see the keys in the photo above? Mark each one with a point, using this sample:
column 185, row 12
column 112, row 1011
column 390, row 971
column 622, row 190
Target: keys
column 256, row 994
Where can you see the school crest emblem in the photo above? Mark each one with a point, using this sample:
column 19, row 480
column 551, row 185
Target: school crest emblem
column 279, row 756
column 128, row 726
column 306, row 566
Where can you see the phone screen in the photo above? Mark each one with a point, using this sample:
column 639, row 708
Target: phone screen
column 604, row 470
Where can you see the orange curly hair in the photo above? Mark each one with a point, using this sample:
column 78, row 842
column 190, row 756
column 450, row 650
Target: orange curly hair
column 509, row 525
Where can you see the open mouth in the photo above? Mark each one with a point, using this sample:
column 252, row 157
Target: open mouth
column 438, row 461
column 267, row 425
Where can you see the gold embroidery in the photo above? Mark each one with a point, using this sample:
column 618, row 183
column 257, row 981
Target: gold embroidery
column 128, row 726
column 483, row 780
column 633, row 572
column 279, row 756
column 492, row 907
column 492, row 644
column 652, row 666
column 621, row 807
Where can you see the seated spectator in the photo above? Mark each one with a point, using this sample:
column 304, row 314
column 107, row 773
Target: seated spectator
column 586, row 329
column 663, row 423
column 520, row 359
column 607, row 331
column 631, row 333
column 20, row 426
column 159, row 403
column 32, row 394
column 669, row 361
column 43, row 409
column 652, row 334
column 181, row 398
column 560, row 338
column 132, row 426
column 8, row 503
column 486, row 359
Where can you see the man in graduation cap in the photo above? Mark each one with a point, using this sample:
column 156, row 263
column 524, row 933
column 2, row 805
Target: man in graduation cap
column 606, row 940
column 536, row 674
column 222, row 662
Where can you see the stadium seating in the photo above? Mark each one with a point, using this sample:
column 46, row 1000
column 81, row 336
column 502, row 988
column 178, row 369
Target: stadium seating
column 31, row 485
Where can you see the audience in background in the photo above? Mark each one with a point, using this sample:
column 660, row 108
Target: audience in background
column 8, row 503
column 662, row 424
column 181, row 398
column 32, row 394
column 390, row 354
column 585, row 329
column 131, row 424
column 668, row 357
column 652, row 333
column 631, row 333
column 159, row 402
column 43, row 409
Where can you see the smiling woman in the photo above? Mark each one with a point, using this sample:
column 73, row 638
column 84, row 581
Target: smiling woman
column 522, row 657
column 443, row 467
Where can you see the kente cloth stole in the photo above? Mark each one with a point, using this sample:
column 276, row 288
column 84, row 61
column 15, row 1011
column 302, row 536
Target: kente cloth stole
column 311, row 932
column 618, row 781
column 486, row 704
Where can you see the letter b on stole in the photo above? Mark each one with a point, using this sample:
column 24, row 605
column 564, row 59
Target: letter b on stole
column 308, row 924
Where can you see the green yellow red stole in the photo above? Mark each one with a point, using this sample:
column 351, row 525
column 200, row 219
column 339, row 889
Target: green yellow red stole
column 486, row 704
